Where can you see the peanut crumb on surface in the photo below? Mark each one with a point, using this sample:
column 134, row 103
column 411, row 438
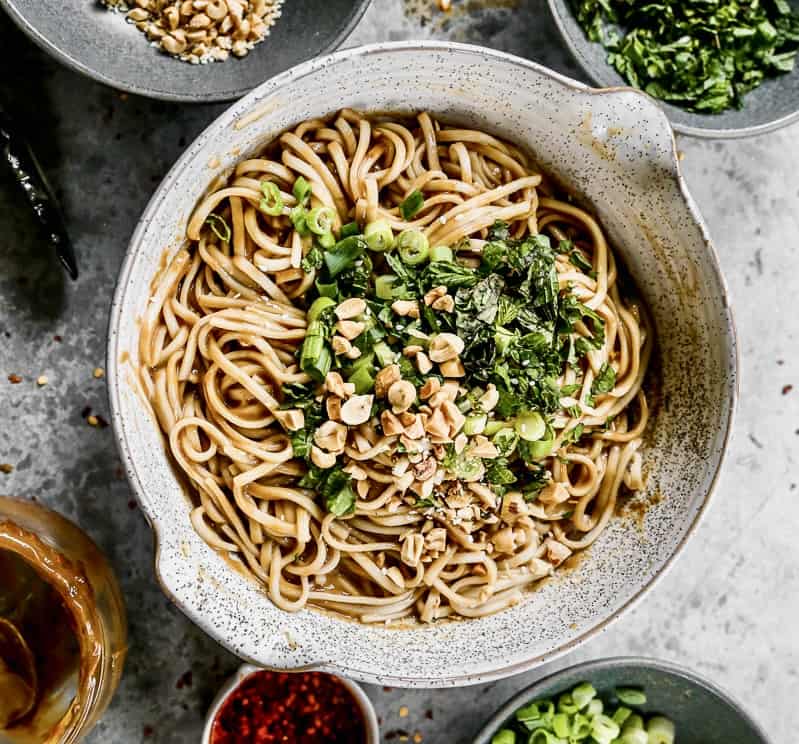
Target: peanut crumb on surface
column 403, row 711
column 14, row 379
column 92, row 421
column 42, row 380
column 99, row 373
column 417, row 737
column 6, row 467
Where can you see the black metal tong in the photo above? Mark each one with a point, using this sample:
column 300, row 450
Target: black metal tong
column 17, row 154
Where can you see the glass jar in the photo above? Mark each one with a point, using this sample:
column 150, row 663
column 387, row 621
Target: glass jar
column 60, row 593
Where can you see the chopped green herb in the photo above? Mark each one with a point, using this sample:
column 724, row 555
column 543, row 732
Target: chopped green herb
column 313, row 259
column 605, row 380
column 703, row 55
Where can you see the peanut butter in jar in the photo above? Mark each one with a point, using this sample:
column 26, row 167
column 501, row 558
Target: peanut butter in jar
column 63, row 632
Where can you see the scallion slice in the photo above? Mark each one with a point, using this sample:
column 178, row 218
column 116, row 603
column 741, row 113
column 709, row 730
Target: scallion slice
column 321, row 220
column 301, row 190
column 413, row 247
column 351, row 228
column 344, row 254
column 441, row 253
column 319, row 305
column 630, row 696
column 219, row 227
column 379, row 236
column 530, row 426
column 411, row 205
column 272, row 203
column 384, row 286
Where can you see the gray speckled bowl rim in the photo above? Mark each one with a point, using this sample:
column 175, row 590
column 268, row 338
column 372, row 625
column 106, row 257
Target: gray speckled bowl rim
column 615, row 662
column 10, row 6
column 228, row 118
column 702, row 132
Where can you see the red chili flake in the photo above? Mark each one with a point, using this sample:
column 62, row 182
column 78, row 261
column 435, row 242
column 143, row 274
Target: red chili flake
column 86, row 412
column 306, row 708
column 786, row 389
column 101, row 422
column 147, row 731
column 185, row 680
column 428, row 714
column 132, row 504
column 58, row 339
column 14, row 379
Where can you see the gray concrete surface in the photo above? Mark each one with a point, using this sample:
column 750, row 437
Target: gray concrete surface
column 729, row 608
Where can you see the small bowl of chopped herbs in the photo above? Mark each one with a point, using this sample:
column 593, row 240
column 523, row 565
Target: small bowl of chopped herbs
column 622, row 701
column 719, row 69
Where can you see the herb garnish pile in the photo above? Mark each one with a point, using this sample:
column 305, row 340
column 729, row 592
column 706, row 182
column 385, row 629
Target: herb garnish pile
column 518, row 330
column 703, row 55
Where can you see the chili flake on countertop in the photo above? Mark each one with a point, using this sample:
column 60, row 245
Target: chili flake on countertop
column 304, row 708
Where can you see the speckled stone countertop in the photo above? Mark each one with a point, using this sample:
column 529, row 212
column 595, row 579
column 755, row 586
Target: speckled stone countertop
column 728, row 609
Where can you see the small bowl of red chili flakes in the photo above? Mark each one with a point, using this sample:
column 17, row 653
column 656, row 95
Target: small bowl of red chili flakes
column 259, row 706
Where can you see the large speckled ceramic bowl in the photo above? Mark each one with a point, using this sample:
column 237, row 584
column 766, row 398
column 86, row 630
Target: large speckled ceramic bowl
column 615, row 151
column 702, row 713
column 772, row 105
column 84, row 35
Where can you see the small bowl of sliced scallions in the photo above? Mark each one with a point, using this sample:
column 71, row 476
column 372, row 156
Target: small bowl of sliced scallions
column 718, row 69
column 622, row 701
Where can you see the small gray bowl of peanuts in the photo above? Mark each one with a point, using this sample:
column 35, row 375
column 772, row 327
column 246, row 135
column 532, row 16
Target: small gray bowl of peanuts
column 185, row 50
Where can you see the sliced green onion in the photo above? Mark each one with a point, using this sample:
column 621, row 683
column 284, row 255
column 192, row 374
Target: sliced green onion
column 272, row 203
column 219, row 227
column 581, row 727
column 327, row 241
column 301, row 190
column 595, row 708
column 413, row 247
column 344, row 254
column 603, row 728
column 565, row 702
column 384, row 354
column 505, row 736
column 474, row 425
column 630, row 696
column 635, row 736
column 530, row 426
column 464, row 405
column 315, row 358
column 351, row 228
column 528, row 713
column 441, row 253
column 634, row 723
column 411, row 205
column 318, row 306
column 384, row 286
column 621, row 715
column 560, row 725
column 321, row 220
column 379, row 236
column 297, row 217
column 327, row 290
column 362, row 378
column 583, row 694
column 493, row 426
column 660, row 730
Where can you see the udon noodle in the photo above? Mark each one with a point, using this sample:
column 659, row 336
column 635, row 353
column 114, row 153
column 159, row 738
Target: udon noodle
column 221, row 343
